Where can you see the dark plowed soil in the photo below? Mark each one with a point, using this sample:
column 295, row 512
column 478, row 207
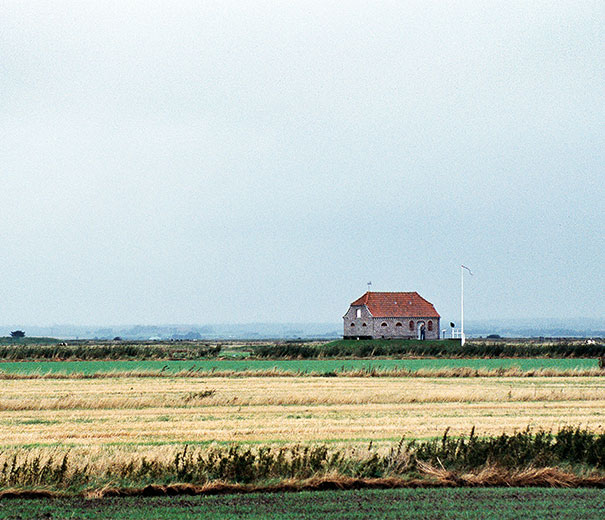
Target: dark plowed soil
column 468, row 503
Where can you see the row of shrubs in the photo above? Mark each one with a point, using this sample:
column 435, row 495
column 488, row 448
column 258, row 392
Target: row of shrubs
column 110, row 351
column 570, row 447
column 335, row 349
column 444, row 348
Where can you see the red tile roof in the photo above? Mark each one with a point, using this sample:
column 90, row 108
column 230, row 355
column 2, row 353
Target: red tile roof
column 397, row 305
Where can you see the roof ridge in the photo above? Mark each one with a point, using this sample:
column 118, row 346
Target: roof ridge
column 392, row 292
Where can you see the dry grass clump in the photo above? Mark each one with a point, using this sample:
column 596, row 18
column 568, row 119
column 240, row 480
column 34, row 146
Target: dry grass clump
column 497, row 476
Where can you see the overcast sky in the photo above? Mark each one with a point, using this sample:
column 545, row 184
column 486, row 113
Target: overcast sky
column 207, row 162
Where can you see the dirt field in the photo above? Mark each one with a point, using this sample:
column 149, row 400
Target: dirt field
column 471, row 504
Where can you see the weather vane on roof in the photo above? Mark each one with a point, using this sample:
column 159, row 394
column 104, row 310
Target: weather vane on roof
column 369, row 286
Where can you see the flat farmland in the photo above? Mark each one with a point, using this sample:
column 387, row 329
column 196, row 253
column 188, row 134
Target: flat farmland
column 470, row 504
column 135, row 412
column 303, row 366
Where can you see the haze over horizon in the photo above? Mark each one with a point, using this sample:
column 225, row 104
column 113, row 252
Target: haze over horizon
column 233, row 162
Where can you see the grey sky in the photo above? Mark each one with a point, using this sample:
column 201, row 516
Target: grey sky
column 210, row 162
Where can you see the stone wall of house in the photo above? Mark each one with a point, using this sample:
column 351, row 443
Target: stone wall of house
column 358, row 323
column 400, row 328
column 363, row 325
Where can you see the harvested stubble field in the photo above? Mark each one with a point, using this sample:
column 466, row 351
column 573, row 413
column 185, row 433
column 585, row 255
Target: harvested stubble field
column 184, row 433
column 141, row 413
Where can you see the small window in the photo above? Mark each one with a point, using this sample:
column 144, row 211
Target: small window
column 352, row 324
column 430, row 325
column 398, row 324
column 363, row 325
column 359, row 313
column 411, row 325
column 383, row 324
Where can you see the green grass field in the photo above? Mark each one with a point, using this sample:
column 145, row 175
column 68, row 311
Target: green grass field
column 306, row 365
column 461, row 503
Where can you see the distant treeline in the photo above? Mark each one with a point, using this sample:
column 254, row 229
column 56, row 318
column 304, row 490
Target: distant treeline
column 63, row 351
column 443, row 348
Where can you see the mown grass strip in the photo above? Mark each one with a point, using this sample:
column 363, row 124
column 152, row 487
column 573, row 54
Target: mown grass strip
column 326, row 368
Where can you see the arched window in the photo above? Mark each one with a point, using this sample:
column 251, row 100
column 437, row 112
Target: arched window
column 363, row 325
column 398, row 324
column 352, row 324
column 359, row 313
column 411, row 325
column 383, row 324
column 430, row 325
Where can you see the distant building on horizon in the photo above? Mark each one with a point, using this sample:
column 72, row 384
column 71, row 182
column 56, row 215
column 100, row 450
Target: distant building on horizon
column 385, row 315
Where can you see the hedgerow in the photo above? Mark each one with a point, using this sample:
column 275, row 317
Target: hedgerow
column 416, row 348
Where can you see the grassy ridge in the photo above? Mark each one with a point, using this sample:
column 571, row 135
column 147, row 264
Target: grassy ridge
column 442, row 348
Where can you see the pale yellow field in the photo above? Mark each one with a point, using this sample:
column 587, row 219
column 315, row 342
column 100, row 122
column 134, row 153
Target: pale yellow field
column 138, row 412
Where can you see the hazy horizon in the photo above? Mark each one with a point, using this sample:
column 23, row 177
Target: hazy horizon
column 230, row 162
column 445, row 320
column 582, row 328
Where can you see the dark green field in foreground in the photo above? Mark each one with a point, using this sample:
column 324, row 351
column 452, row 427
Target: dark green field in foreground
column 295, row 365
column 458, row 503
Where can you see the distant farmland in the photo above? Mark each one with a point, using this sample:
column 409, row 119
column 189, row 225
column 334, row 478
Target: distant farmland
column 102, row 428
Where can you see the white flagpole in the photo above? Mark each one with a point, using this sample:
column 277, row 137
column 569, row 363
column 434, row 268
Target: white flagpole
column 462, row 336
column 462, row 306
